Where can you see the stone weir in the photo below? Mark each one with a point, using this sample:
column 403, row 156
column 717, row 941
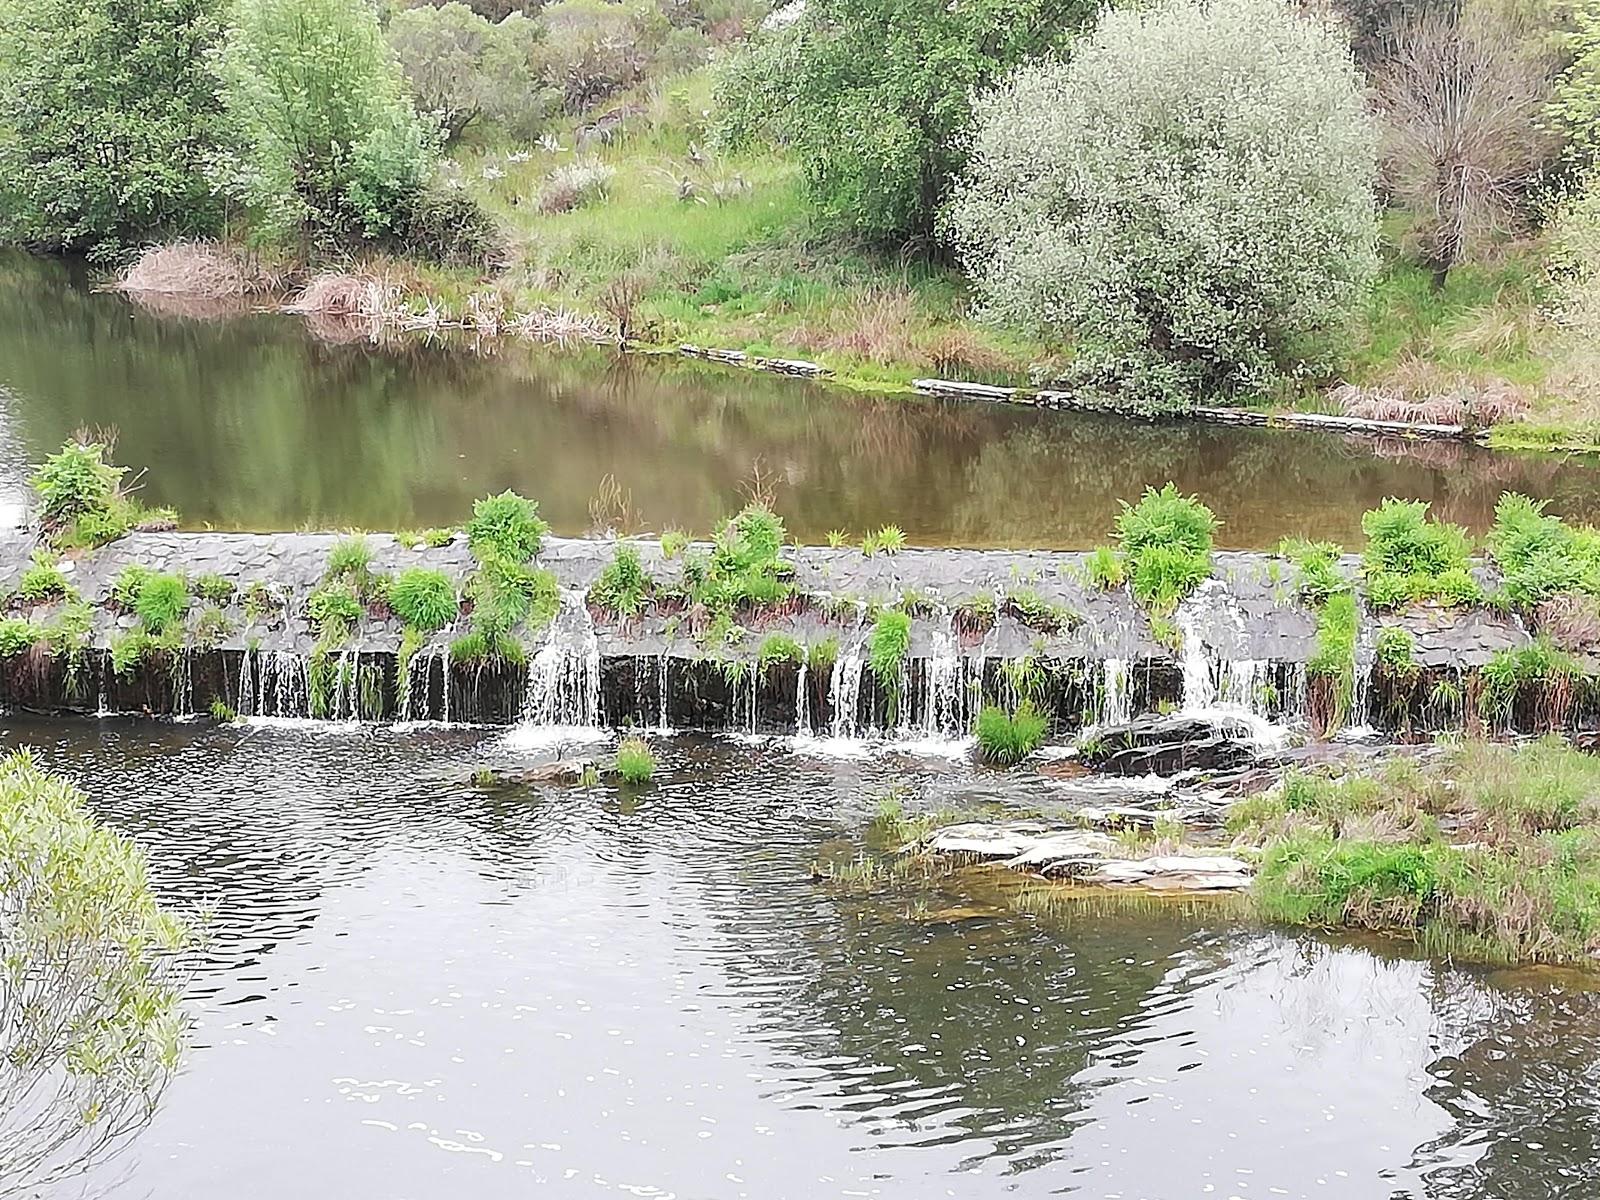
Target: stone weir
column 986, row 626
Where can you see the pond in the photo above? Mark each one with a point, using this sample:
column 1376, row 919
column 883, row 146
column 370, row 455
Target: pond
column 254, row 422
column 414, row 989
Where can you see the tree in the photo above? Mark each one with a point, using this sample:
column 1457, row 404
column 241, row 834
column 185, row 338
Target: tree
column 873, row 96
column 464, row 69
column 106, row 115
column 1461, row 100
column 1190, row 197
column 330, row 143
column 91, row 970
column 1574, row 106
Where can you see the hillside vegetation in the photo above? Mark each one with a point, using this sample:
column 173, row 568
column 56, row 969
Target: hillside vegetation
column 1400, row 224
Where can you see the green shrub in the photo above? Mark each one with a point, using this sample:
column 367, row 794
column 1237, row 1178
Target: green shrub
column 211, row 628
column 1541, row 555
column 222, row 712
column 125, row 589
column 350, row 558
column 1410, row 559
column 259, row 600
column 423, row 599
column 42, row 580
column 1006, row 739
column 162, row 600
column 1037, row 613
column 744, row 569
column 506, row 527
column 821, row 656
column 1166, row 541
column 624, row 587
column 128, row 648
column 673, row 543
column 17, row 635
column 1105, row 568
column 466, row 70
column 1396, row 651
column 106, row 122
column 780, row 648
column 874, row 98
column 635, row 763
column 1193, row 245
column 74, row 481
column 891, row 539
column 1317, row 568
column 213, row 588
column 480, row 647
column 886, row 654
column 334, row 611
column 317, row 105
column 435, row 538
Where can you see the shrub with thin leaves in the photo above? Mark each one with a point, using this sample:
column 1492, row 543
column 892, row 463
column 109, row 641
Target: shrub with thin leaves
column 624, row 586
column 1166, row 542
column 423, row 598
column 506, row 527
column 1541, row 555
column 75, row 480
column 161, row 601
column 92, row 974
column 1410, row 558
column 1189, row 195
column 1005, row 739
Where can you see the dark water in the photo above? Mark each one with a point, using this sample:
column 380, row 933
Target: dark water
column 256, row 423
column 415, row 990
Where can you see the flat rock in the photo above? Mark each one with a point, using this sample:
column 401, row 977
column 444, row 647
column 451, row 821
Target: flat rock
column 1087, row 855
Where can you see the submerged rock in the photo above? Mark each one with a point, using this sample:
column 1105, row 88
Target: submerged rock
column 1087, row 856
column 569, row 770
column 1168, row 745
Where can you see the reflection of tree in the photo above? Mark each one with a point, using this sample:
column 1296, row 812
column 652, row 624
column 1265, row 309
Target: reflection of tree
column 1518, row 1067
column 251, row 422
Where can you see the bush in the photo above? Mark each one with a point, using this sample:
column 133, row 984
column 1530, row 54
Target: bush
column 74, row 481
column 1410, row 558
column 106, row 117
column 161, row 601
column 1105, row 569
column 42, row 580
column 624, row 586
column 506, row 527
column 873, row 95
column 464, row 69
column 635, row 763
column 334, row 611
column 744, row 569
column 593, row 49
column 1192, row 243
column 1317, row 567
column 424, row 599
column 574, row 185
column 1166, row 543
column 1006, row 740
column 1541, row 555
column 1462, row 99
column 95, row 972
column 330, row 145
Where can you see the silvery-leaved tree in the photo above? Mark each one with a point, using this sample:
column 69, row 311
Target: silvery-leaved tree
column 91, row 972
column 1188, row 200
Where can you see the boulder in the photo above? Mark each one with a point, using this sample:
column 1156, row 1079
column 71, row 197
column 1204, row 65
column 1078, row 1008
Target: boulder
column 1168, row 745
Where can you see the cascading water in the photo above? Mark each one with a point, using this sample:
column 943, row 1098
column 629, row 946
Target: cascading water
column 950, row 687
column 844, row 690
column 273, row 683
column 802, row 702
column 564, row 676
column 419, row 684
column 663, row 708
column 1116, row 694
column 1199, row 685
column 1366, row 654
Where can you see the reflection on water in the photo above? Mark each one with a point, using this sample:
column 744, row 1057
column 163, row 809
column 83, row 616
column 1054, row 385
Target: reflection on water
column 417, row 990
column 254, row 423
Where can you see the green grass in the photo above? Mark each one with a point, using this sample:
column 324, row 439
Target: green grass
column 886, row 655
column 162, row 600
column 1411, row 558
column 1492, row 854
column 1335, row 656
column 1166, row 541
column 506, row 527
column 1005, row 739
column 636, row 764
column 334, row 611
column 780, row 648
column 624, row 587
column 424, row 599
column 42, row 580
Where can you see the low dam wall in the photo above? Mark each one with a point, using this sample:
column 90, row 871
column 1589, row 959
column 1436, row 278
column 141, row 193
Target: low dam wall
column 985, row 627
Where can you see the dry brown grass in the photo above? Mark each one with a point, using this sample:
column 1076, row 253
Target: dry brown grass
column 342, row 294
column 1572, row 622
column 878, row 325
column 201, row 269
column 1419, row 393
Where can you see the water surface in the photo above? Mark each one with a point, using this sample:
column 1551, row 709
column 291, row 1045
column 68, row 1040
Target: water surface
column 418, row 990
column 257, row 423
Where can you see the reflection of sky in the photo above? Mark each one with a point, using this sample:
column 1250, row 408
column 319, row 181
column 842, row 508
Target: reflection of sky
column 420, row 990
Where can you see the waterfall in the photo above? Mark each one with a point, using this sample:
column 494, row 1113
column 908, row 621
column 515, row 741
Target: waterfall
column 844, row 690
column 1199, row 687
column 1366, row 654
column 1242, row 685
column 663, row 708
column 564, row 676
column 1116, row 696
column 419, row 683
column 952, row 687
column 273, row 683
column 802, row 702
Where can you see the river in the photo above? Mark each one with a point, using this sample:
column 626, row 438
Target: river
column 256, row 423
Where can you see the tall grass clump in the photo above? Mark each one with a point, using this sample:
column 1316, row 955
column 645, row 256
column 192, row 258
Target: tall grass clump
column 424, row 599
column 624, row 587
column 1410, row 558
column 886, row 655
column 1166, row 541
column 162, row 600
column 636, row 764
column 744, row 568
column 1005, row 739
column 1334, row 659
